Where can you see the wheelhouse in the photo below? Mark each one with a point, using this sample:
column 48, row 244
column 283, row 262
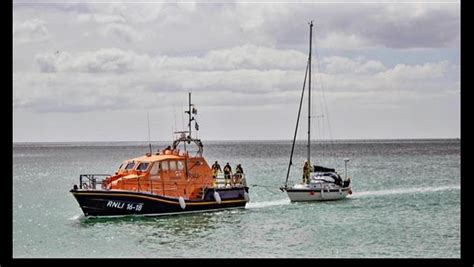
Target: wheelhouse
column 164, row 174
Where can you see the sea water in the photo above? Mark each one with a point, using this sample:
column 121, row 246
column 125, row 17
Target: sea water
column 405, row 204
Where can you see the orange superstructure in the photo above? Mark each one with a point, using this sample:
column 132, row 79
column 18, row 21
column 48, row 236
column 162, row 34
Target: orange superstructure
column 163, row 173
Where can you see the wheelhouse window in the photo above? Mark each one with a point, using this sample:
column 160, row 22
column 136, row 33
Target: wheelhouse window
column 155, row 168
column 164, row 166
column 121, row 165
column 172, row 165
column 130, row 166
column 143, row 166
column 180, row 165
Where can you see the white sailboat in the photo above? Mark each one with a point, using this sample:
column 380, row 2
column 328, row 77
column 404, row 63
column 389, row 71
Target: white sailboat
column 323, row 183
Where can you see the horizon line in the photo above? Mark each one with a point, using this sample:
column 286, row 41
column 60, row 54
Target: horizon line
column 251, row 140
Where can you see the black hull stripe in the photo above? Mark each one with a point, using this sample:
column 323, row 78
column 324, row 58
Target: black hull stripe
column 154, row 198
column 188, row 202
column 163, row 214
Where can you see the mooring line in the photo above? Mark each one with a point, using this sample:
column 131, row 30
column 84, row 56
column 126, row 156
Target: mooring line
column 266, row 187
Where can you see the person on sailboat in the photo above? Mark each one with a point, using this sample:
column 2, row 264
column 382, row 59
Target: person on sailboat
column 306, row 171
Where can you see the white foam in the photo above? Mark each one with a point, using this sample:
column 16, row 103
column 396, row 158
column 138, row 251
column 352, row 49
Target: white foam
column 75, row 217
column 405, row 191
column 265, row 204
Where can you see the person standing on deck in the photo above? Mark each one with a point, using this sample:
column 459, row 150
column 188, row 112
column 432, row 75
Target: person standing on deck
column 215, row 169
column 239, row 172
column 227, row 173
column 239, row 169
column 306, row 172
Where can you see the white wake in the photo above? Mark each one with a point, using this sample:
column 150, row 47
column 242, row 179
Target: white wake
column 265, row 204
column 75, row 217
column 405, row 191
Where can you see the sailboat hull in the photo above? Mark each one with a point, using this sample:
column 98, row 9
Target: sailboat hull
column 302, row 195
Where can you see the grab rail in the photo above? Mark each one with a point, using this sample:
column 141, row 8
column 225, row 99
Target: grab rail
column 91, row 181
column 236, row 179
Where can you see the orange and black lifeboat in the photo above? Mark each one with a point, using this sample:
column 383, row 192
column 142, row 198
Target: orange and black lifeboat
column 168, row 182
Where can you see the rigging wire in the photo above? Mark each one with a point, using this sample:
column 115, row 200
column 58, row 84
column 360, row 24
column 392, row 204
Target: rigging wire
column 318, row 126
column 318, row 113
column 324, row 105
column 297, row 123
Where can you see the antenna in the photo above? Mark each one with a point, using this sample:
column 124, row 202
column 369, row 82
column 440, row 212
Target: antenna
column 345, row 164
column 149, row 138
column 189, row 112
column 175, row 123
column 182, row 116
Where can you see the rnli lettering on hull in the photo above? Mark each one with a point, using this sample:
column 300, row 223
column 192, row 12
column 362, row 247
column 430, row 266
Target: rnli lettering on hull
column 122, row 205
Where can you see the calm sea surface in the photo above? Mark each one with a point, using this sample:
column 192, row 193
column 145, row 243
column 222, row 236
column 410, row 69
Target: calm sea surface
column 405, row 203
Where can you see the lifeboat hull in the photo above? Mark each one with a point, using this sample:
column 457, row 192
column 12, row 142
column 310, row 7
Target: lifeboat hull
column 115, row 203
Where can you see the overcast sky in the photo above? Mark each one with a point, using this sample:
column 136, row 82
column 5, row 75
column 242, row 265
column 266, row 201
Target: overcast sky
column 92, row 71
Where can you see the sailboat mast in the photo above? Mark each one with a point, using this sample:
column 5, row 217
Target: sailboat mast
column 309, row 91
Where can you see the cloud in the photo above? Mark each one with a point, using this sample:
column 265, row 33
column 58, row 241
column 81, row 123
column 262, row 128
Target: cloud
column 346, row 65
column 417, row 25
column 30, row 31
column 236, row 57
column 339, row 40
column 104, row 60
column 119, row 61
column 66, row 92
column 132, row 13
column 196, row 28
column 242, row 57
column 121, row 31
column 355, row 26
column 428, row 78
column 100, row 18
column 116, row 79
column 427, row 71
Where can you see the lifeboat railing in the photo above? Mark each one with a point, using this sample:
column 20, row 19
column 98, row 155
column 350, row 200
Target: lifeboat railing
column 151, row 187
column 90, row 181
column 235, row 180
